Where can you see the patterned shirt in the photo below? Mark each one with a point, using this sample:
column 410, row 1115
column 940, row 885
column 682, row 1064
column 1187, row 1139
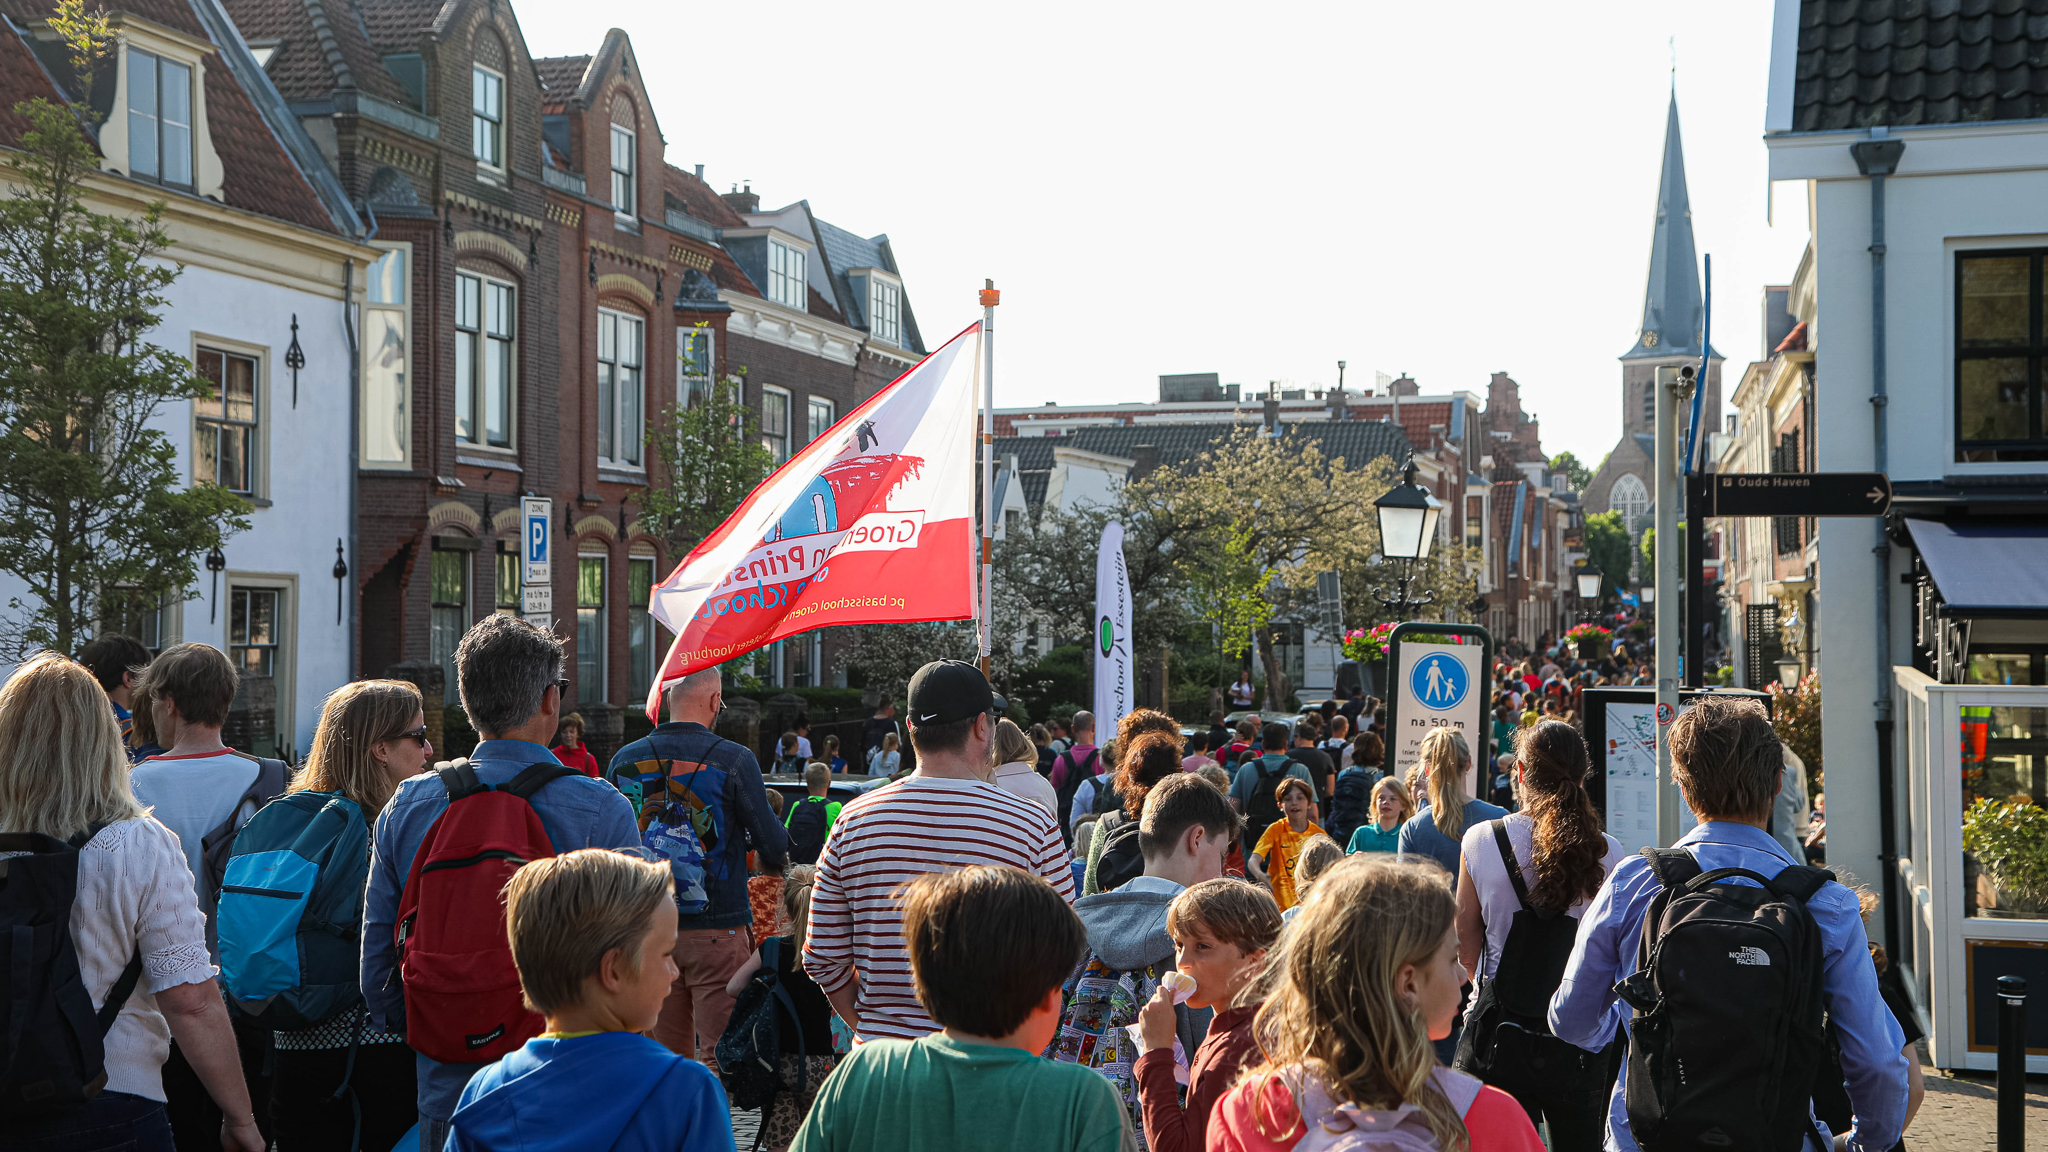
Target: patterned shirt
column 889, row 836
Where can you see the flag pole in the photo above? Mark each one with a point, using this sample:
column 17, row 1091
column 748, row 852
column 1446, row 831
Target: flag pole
column 989, row 299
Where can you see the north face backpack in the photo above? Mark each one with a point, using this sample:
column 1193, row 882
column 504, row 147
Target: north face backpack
column 52, row 1042
column 683, row 821
column 217, row 846
column 291, row 911
column 462, row 997
column 1507, row 1040
column 750, row 1052
column 807, row 825
column 1727, row 1030
column 1077, row 771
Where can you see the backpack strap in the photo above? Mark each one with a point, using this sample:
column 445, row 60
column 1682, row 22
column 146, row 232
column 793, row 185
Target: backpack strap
column 1801, row 881
column 459, row 778
column 1673, row 867
column 1507, row 858
column 535, row 777
column 119, row 993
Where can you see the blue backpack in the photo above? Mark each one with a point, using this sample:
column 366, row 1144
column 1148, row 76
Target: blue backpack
column 683, row 820
column 291, row 910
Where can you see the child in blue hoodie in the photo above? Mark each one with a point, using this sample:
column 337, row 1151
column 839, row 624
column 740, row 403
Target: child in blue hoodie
column 592, row 932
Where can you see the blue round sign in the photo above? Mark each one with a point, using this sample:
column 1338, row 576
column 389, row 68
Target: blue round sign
column 1439, row 681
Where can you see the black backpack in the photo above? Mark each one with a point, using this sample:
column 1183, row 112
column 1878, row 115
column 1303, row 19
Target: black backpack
column 1350, row 803
column 806, row 827
column 1076, row 772
column 1507, row 1040
column 1264, row 807
column 750, row 1052
column 1107, row 798
column 52, row 1044
column 1727, row 1031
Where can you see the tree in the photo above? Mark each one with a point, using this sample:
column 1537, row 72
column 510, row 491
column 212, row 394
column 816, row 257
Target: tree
column 1607, row 549
column 93, row 509
column 1575, row 473
column 709, row 459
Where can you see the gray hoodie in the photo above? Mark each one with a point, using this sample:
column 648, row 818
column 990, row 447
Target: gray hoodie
column 1127, row 929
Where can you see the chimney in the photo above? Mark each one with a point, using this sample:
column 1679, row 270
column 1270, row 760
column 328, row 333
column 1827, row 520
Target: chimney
column 700, row 171
column 1339, row 405
column 1405, row 386
column 1144, row 460
column 743, row 201
column 1272, row 411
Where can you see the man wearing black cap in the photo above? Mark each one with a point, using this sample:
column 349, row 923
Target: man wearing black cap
column 948, row 814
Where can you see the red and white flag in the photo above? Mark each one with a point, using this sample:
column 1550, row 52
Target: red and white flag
column 870, row 523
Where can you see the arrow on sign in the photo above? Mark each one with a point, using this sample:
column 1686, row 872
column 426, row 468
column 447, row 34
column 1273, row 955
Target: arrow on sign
column 1798, row 494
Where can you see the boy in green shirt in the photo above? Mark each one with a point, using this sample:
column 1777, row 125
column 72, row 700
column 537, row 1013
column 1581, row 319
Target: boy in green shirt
column 810, row 819
column 989, row 950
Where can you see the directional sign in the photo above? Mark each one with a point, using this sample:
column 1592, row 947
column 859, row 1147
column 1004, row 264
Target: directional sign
column 537, row 514
column 1799, row 494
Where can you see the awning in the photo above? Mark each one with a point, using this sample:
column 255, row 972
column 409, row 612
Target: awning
column 1986, row 569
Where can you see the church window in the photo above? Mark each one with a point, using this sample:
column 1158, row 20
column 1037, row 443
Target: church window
column 2001, row 355
column 1649, row 405
column 1631, row 498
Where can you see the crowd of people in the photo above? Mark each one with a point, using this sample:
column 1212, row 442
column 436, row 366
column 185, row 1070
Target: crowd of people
column 1257, row 938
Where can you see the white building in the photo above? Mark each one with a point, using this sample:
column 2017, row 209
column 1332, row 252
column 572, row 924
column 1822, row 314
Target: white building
column 1924, row 158
column 271, row 264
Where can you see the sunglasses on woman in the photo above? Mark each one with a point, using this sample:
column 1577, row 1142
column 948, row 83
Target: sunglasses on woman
column 418, row 735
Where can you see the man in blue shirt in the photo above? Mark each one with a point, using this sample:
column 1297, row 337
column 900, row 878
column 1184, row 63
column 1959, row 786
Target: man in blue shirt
column 1726, row 760
column 508, row 672
column 712, row 944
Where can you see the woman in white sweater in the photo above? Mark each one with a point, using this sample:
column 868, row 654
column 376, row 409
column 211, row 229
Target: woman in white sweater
column 64, row 775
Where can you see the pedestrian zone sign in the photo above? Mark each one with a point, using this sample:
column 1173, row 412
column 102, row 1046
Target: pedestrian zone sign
column 1439, row 685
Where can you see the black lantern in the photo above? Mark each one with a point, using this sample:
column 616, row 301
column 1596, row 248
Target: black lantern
column 1789, row 669
column 216, row 564
column 295, row 359
column 340, row 574
column 1408, row 515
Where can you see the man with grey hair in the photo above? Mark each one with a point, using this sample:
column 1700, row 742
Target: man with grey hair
column 686, row 762
column 508, row 672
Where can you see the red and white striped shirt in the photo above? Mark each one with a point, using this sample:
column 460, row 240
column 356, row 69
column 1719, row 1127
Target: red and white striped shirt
column 893, row 835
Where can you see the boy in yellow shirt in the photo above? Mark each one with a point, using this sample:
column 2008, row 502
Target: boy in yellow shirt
column 1272, row 861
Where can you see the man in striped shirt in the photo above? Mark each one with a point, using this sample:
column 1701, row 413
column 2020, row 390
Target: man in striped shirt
column 947, row 815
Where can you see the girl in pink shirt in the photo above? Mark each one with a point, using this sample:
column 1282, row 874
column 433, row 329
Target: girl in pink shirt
column 1351, row 1057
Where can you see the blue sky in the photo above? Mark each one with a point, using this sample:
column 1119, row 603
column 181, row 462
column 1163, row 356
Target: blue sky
column 1260, row 191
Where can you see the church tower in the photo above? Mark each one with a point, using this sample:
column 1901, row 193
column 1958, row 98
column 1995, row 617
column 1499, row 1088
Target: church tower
column 1674, row 313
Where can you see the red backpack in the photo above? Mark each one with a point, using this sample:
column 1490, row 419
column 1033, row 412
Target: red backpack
column 462, row 997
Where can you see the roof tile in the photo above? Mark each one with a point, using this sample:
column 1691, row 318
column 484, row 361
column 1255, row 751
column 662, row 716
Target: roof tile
column 1919, row 62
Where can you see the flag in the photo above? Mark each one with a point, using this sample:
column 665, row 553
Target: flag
column 1113, row 690
column 870, row 523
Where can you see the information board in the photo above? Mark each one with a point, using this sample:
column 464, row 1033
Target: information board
column 1621, row 735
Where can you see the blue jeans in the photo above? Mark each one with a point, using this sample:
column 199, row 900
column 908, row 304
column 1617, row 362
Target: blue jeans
column 109, row 1122
column 433, row 1134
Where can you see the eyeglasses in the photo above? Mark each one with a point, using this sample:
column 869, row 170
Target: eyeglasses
column 562, row 686
column 418, row 734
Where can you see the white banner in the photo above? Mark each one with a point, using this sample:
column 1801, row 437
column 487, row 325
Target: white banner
column 1114, row 691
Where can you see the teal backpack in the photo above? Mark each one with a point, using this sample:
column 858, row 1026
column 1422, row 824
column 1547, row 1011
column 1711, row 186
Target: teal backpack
column 291, row 911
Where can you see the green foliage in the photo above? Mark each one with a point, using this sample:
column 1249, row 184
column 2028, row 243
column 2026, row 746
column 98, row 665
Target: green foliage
column 710, row 457
column 1646, row 572
column 1043, row 688
column 2009, row 838
column 94, row 505
column 1576, row 474
column 1796, row 716
column 1607, row 548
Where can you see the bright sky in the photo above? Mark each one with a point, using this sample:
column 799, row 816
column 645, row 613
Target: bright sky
column 1446, row 190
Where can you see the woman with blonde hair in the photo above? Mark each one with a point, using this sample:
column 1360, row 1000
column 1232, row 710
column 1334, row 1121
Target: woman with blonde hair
column 371, row 737
column 1438, row 829
column 68, row 814
column 1016, row 761
column 1355, row 991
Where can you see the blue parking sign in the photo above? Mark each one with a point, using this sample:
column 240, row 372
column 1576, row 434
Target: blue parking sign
column 538, row 514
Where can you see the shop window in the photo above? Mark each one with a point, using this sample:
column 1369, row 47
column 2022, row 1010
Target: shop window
column 590, row 629
column 2004, row 757
column 1999, row 348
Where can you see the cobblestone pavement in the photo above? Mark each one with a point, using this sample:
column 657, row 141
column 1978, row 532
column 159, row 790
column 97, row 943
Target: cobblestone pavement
column 1960, row 1113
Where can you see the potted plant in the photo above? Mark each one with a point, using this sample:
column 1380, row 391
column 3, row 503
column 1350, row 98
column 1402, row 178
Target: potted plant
column 1590, row 639
column 2009, row 839
column 1369, row 648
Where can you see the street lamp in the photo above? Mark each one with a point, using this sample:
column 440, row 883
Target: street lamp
column 1589, row 577
column 1408, row 515
column 1788, row 672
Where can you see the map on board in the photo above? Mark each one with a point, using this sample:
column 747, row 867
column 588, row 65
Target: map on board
column 1632, row 776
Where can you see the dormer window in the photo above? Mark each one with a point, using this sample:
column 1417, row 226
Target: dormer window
column 786, row 275
column 487, row 117
column 159, row 119
column 622, row 171
column 885, row 311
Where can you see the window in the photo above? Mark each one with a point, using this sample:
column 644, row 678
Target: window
column 254, row 632
column 775, row 423
column 225, row 434
column 803, row 654
column 1649, row 406
column 885, row 311
column 448, row 604
column 130, row 613
column 387, row 362
column 1474, row 520
column 159, row 119
column 510, row 600
column 622, row 170
column 693, row 365
column 822, row 416
column 487, row 117
column 2000, row 347
column 1631, row 498
column 590, row 629
column 639, row 625
column 620, row 402
column 786, row 275
column 483, row 360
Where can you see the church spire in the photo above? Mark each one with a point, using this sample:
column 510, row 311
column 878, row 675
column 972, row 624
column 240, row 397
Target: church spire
column 1672, row 306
